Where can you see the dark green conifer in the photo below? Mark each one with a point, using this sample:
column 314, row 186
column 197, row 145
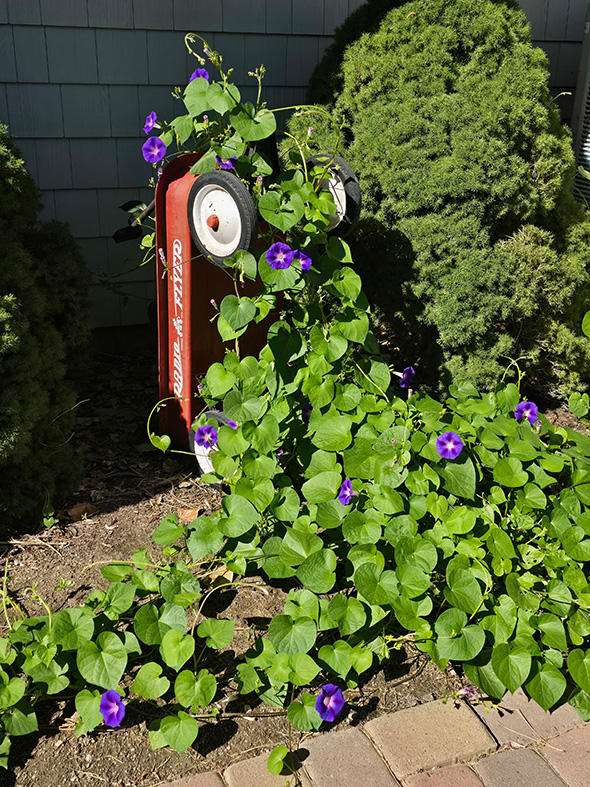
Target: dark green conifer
column 470, row 243
column 43, row 328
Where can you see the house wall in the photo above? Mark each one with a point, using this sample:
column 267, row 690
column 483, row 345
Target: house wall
column 557, row 26
column 78, row 77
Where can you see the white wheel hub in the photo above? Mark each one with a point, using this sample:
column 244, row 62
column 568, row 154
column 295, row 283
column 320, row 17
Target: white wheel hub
column 337, row 190
column 217, row 220
column 203, row 454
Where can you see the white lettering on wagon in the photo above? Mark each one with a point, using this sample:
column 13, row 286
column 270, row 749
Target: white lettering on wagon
column 177, row 322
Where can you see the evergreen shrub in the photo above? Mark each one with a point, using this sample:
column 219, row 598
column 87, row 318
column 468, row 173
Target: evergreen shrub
column 470, row 243
column 43, row 328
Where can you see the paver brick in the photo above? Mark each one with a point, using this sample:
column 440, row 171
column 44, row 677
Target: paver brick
column 254, row 773
column 569, row 755
column 345, row 758
column 199, row 780
column 429, row 736
column 455, row 775
column 515, row 767
column 522, row 720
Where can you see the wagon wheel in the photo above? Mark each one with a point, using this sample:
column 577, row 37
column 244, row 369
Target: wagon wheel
column 221, row 216
column 344, row 186
column 203, row 452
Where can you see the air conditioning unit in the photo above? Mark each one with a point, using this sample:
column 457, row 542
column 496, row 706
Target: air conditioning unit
column 581, row 118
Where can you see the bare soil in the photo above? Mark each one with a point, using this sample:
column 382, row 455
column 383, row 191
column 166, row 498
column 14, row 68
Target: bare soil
column 126, row 491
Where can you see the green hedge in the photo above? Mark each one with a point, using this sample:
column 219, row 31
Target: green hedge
column 470, row 243
column 43, row 328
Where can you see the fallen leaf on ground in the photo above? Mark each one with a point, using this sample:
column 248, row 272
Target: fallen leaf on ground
column 219, row 577
column 80, row 509
column 188, row 515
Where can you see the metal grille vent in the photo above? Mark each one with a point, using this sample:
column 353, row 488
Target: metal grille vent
column 581, row 119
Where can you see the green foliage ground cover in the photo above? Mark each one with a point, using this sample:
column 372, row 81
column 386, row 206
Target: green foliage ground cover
column 470, row 242
column 480, row 559
column 43, row 327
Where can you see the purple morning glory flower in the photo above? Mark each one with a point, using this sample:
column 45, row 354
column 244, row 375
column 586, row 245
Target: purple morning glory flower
column 233, row 424
column 449, row 445
column 150, row 122
column 112, row 708
column 329, row 702
column 346, row 493
column 279, row 256
column 280, row 454
column 303, row 258
column 306, row 412
column 468, row 691
column 407, row 375
column 226, row 163
column 530, row 410
column 199, row 72
column 153, row 150
column 206, row 435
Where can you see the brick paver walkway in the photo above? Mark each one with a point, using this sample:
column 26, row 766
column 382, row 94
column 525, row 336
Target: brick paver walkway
column 435, row 745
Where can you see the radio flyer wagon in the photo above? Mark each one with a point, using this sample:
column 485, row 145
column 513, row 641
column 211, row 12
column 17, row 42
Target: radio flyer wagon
column 200, row 221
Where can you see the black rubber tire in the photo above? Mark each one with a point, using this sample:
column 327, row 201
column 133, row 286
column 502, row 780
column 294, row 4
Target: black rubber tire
column 342, row 170
column 221, row 419
column 242, row 198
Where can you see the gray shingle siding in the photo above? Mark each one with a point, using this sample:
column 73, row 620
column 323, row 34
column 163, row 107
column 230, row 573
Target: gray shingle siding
column 7, row 59
column 110, row 13
column 54, row 164
column 194, row 16
column 22, row 12
column 30, row 53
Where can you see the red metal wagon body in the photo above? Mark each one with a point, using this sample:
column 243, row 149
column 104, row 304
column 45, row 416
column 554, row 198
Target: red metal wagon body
column 189, row 341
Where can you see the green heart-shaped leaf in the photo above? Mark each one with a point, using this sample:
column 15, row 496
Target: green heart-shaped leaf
column 152, row 623
column 455, row 640
column 338, row 657
column 276, row 758
column 546, row 685
column 217, row 633
column 160, row 441
column 11, row 691
column 508, row 472
column 102, row 662
column 176, row 648
column 240, row 516
column 578, row 663
column 195, row 692
column 238, row 312
column 88, row 708
column 292, row 636
column 303, row 715
column 252, row 125
column 180, row 731
column 317, row 572
column 148, row 682
column 511, row 664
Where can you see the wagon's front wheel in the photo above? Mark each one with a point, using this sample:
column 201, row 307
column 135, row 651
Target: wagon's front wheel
column 221, row 215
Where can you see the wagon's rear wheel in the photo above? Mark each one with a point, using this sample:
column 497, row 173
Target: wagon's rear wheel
column 344, row 186
column 203, row 452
